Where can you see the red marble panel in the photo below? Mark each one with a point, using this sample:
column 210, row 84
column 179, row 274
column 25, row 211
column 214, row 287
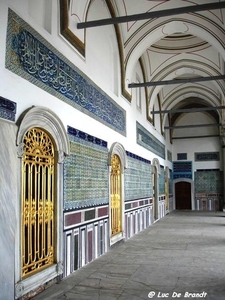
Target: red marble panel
column 103, row 212
column 72, row 219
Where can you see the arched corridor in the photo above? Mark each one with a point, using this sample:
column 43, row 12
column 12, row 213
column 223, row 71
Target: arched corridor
column 178, row 257
column 105, row 129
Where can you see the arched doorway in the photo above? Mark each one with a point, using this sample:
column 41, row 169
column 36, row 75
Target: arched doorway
column 183, row 195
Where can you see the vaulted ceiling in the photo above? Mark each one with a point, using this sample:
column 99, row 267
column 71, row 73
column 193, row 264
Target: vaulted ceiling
column 183, row 45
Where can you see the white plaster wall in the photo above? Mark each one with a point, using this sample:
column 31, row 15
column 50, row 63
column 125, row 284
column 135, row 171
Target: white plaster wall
column 195, row 119
column 102, row 56
column 190, row 146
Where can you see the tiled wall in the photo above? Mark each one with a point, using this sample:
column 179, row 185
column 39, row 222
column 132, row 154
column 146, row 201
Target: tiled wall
column 208, row 190
column 137, row 177
column 149, row 141
column 86, row 199
column 30, row 56
column 85, row 171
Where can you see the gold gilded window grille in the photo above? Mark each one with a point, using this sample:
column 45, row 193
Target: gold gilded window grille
column 38, row 176
column 115, row 180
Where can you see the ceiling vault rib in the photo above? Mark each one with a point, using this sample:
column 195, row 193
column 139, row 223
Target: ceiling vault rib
column 192, row 126
column 152, row 14
column 188, row 110
column 176, row 81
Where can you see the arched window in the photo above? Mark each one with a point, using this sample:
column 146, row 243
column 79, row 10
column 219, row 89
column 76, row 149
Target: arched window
column 38, row 202
column 42, row 145
column 116, row 206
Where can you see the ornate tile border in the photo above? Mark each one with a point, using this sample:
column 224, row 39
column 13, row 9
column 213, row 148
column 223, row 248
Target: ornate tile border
column 148, row 141
column 7, row 109
column 30, row 56
column 207, row 156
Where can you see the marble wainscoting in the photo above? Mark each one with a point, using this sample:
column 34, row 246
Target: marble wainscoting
column 8, row 201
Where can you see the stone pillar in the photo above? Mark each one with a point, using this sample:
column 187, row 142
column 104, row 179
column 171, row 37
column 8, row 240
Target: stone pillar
column 8, row 201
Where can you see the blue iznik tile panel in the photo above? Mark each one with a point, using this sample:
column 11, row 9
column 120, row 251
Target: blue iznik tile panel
column 207, row 156
column 7, row 109
column 182, row 169
column 161, row 181
column 137, row 177
column 209, row 181
column 86, row 174
column 148, row 141
column 30, row 56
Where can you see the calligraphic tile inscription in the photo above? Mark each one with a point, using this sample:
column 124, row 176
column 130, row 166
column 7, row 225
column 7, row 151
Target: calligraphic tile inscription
column 30, row 56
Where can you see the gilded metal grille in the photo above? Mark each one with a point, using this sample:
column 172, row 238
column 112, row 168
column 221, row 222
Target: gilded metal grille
column 116, row 224
column 37, row 202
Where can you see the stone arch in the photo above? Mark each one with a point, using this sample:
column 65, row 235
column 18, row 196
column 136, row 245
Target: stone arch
column 156, row 164
column 38, row 116
column 46, row 120
column 116, row 200
column 118, row 149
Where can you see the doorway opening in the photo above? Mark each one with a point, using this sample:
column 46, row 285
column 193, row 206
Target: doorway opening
column 183, row 195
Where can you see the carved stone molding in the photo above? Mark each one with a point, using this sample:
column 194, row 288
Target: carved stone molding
column 155, row 163
column 20, row 149
column 119, row 150
column 19, row 290
column 44, row 118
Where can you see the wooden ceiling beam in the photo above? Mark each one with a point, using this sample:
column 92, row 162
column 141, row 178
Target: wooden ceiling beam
column 192, row 126
column 176, row 81
column 152, row 14
column 188, row 110
column 195, row 137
